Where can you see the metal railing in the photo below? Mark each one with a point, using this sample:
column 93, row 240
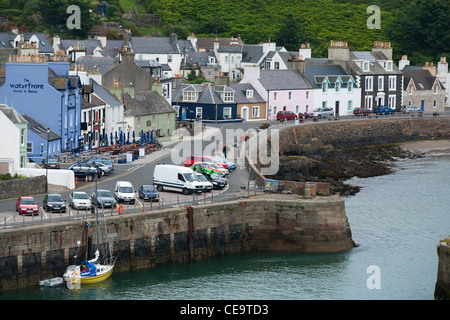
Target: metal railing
column 172, row 201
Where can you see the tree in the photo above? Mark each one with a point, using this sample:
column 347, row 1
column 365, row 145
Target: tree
column 291, row 35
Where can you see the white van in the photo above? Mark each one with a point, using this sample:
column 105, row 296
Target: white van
column 124, row 192
column 207, row 186
column 176, row 178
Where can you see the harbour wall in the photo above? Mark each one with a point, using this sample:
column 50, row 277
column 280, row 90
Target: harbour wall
column 442, row 289
column 178, row 235
column 350, row 134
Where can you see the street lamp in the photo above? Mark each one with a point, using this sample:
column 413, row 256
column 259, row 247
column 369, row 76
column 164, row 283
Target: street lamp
column 46, row 162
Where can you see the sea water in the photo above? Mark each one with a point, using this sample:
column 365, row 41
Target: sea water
column 396, row 220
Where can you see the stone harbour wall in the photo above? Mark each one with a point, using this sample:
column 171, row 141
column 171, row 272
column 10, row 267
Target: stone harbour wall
column 144, row 240
column 442, row 288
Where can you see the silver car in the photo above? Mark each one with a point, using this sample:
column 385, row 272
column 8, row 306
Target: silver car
column 103, row 197
column 322, row 112
column 80, row 200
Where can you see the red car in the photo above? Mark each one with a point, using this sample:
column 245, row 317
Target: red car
column 288, row 115
column 190, row 160
column 362, row 111
column 27, row 205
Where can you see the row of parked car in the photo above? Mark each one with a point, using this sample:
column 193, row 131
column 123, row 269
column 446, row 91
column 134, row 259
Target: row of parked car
column 80, row 200
column 329, row 112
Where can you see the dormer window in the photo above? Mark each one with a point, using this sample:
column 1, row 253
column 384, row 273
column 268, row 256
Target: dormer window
column 190, row 96
column 338, row 86
column 249, row 93
column 365, row 66
column 228, row 96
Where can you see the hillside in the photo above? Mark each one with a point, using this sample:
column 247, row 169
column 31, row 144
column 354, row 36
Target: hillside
column 418, row 28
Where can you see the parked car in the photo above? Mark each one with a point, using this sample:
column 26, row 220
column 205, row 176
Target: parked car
column 322, row 112
column 362, row 111
column 148, row 191
column 217, row 181
column 124, row 192
column 383, row 110
column 54, row 202
column 84, row 169
column 105, row 169
column 103, row 160
column 208, row 168
column 51, row 164
column 80, row 200
column 231, row 165
column 286, row 115
column 103, row 197
column 409, row 109
column 207, row 185
column 27, row 205
column 190, row 160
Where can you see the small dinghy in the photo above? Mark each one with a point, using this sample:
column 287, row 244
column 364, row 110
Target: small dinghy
column 53, row 282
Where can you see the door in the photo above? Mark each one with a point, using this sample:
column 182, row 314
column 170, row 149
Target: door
column 422, row 104
column 183, row 113
column 337, row 109
column 244, row 113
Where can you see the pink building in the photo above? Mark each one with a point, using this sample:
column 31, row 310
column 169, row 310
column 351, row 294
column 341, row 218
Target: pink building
column 284, row 90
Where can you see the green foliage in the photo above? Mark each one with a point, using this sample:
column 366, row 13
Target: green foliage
column 112, row 12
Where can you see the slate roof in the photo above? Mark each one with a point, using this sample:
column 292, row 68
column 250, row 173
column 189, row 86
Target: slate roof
column 252, row 53
column 147, row 45
column 62, row 82
column 317, row 73
column 95, row 102
column 208, row 94
column 12, row 114
column 240, row 94
column 374, row 66
column 89, row 45
column 40, row 129
column 200, row 58
column 423, row 80
column 104, row 94
column 104, row 64
column 43, row 47
column 283, row 80
column 145, row 103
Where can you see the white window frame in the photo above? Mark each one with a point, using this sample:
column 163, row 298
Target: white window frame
column 256, row 111
column 350, row 86
column 227, row 111
column 275, row 96
column 392, row 83
column 380, row 83
column 290, row 95
column 324, row 87
column 365, row 65
column 228, row 96
column 177, row 110
column 349, row 105
column 189, row 96
column 392, row 101
column 337, row 87
column 368, row 102
column 198, row 111
column 369, row 83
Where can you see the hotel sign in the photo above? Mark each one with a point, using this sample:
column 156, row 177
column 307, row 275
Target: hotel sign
column 26, row 87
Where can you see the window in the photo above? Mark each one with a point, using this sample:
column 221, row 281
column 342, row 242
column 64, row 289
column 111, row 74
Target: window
column 392, row 83
column 189, row 96
column 389, row 66
column 366, row 66
column 249, row 93
column 350, row 86
column 227, row 113
column 307, row 108
column 198, row 112
column 169, row 59
column 22, row 137
column 277, row 65
column 380, row 83
column 139, row 122
column 297, row 107
column 275, row 110
column 369, row 83
column 324, row 87
column 290, row 95
column 29, row 147
column 391, row 101
column 337, row 87
column 435, row 89
column 307, row 94
column 228, row 96
column 275, row 96
column 255, row 111
column 268, row 65
column 410, row 90
column 349, row 105
column 434, row 104
column 324, row 104
column 368, row 102
column 177, row 111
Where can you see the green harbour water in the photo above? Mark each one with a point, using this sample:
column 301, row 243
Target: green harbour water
column 397, row 221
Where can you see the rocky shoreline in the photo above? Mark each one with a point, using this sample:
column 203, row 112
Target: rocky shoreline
column 314, row 161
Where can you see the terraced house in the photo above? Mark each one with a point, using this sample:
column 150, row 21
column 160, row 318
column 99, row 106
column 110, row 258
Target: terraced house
column 374, row 72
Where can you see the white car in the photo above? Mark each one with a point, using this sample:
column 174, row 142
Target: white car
column 80, row 200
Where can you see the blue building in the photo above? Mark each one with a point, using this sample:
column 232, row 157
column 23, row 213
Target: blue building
column 45, row 92
column 204, row 101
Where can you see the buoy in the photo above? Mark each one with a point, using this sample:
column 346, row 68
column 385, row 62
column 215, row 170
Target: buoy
column 120, row 209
